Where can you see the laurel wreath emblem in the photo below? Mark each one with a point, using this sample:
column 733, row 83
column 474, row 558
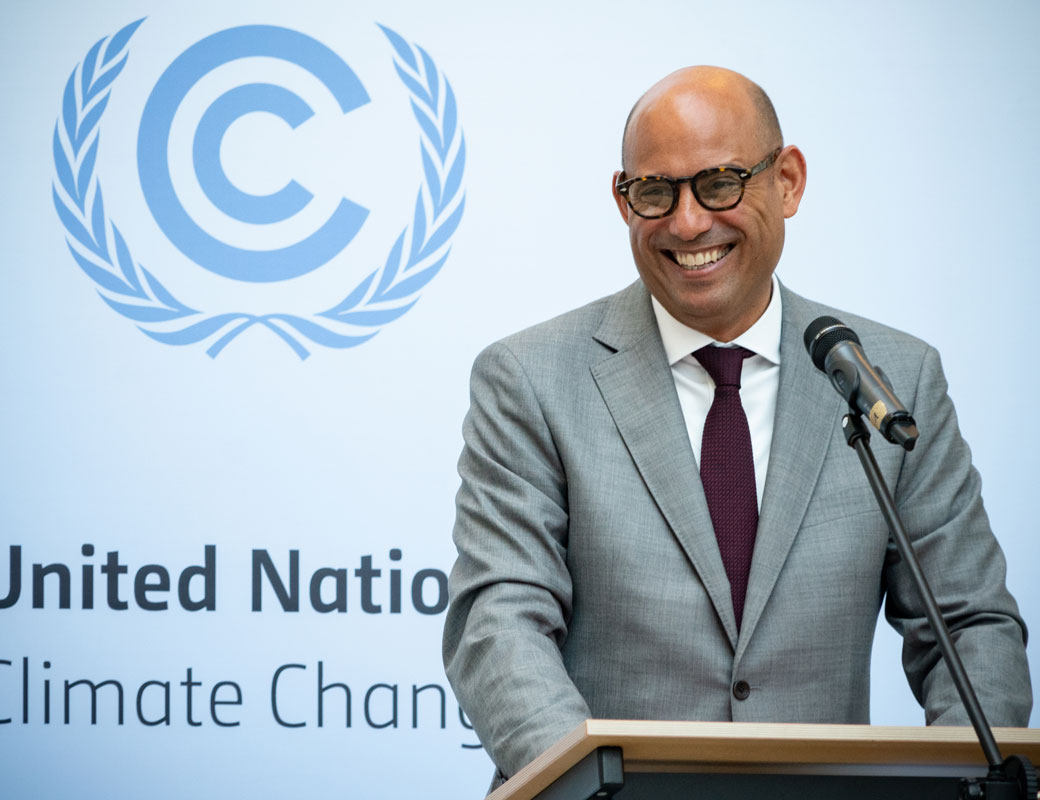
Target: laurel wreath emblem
column 382, row 296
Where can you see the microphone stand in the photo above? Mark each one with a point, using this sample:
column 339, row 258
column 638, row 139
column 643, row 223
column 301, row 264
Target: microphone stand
column 1010, row 779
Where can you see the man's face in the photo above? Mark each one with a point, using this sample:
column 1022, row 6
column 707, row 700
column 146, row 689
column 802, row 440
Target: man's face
column 711, row 270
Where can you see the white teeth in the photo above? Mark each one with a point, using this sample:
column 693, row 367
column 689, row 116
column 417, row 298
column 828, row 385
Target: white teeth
column 701, row 258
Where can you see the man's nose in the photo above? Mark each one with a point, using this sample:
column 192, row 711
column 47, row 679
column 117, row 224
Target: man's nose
column 690, row 219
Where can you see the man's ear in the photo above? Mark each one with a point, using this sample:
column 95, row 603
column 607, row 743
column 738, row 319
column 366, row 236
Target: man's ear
column 619, row 198
column 790, row 170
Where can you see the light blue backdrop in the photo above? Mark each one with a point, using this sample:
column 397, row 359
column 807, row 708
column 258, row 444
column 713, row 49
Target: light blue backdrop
column 918, row 121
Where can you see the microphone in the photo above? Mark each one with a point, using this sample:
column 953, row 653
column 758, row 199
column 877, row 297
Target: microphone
column 835, row 349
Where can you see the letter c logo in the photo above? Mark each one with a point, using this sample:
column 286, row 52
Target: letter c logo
column 154, row 168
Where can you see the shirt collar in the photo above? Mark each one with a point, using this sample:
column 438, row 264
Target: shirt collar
column 762, row 338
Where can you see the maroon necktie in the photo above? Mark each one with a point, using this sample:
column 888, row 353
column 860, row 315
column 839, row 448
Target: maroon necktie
column 728, row 468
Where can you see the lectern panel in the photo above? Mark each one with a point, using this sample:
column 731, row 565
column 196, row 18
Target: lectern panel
column 721, row 786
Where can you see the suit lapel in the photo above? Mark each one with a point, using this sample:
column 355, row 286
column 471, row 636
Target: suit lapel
column 637, row 387
column 802, row 430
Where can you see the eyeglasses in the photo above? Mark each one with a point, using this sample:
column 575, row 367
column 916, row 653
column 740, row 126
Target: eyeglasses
column 716, row 189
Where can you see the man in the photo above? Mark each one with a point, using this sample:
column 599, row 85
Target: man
column 606, row 523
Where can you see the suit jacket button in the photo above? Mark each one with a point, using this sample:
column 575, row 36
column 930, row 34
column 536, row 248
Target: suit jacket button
column 741, row 690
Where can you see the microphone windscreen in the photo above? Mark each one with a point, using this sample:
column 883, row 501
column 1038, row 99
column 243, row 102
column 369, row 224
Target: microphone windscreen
column 822, row 334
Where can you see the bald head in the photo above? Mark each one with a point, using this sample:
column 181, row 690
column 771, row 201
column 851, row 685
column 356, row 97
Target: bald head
column 710, row 87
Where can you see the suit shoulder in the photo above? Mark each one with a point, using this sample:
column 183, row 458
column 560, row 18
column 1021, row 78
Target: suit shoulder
column 800, row 311
column 569, row 335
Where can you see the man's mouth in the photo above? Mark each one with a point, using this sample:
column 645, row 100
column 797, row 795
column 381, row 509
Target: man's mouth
column 700, row 259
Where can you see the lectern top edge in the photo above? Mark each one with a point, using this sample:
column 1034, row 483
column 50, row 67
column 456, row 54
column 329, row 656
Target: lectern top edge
column 697, row 745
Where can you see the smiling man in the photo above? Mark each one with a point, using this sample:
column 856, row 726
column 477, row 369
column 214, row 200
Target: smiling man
column 659, row 517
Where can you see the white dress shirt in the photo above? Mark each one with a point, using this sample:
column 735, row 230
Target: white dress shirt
column 759, row 378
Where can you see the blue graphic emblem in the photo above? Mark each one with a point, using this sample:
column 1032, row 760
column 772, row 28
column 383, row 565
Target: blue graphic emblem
column 102, row 252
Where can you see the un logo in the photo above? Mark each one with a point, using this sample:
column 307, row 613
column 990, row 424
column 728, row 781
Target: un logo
column 359, row 309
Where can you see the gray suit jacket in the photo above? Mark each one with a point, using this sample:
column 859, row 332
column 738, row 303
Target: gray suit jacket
column 589, row 582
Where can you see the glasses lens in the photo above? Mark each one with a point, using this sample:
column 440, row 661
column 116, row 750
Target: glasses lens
column 719, row 188
column 650, row 198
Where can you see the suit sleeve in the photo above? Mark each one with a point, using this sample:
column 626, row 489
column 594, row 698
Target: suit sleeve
column 510, row 589
column 939, row 493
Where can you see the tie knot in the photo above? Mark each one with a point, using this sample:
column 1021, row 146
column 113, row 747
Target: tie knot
column 723, row 363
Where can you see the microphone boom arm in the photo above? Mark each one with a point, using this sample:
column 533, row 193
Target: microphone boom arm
column 1011, row 778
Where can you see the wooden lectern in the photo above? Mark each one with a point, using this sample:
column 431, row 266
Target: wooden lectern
column 648, row 760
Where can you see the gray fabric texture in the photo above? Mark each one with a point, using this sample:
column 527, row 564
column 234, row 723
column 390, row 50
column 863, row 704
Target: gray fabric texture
column 589, row 581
